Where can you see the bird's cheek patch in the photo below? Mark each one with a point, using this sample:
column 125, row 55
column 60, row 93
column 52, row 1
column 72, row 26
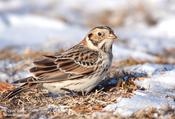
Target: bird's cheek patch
column 94, row 42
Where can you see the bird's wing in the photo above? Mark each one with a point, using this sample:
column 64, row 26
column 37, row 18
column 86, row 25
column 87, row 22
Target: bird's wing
column 71, row 64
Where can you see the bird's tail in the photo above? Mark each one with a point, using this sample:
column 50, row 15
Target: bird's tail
column 26, row 85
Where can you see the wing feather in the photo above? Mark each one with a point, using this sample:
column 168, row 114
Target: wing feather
column 71, row 64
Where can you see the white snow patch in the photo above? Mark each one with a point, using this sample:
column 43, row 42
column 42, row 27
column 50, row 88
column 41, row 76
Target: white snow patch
column 34, row 20
column 149, row 69
column 123, row 53
column 29, row 30
column 166, row 27
column 159, row 83
column 128, row 106
column 159, row 90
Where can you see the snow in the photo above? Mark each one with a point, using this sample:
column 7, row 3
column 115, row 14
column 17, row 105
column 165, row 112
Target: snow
column 159, row 82
column 89, row 7
column 35, row 21
column 139, row 39
column 29, row 29
column 4, row 6
column 165, row 27
column 127, row 106
column 122, row 53
column 159, row 90
column 32, row 29
column 149, row 69
column 8, row 73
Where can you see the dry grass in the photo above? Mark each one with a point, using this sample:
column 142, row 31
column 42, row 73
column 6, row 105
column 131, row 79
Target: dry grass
column 76, row 105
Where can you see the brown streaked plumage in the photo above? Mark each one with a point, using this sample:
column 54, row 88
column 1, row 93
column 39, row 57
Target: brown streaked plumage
column 78, row 69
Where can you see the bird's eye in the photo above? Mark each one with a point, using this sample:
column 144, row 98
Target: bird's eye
column 99, row 34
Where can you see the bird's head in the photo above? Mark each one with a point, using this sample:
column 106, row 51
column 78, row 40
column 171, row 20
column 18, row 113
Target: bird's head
column 100, row 38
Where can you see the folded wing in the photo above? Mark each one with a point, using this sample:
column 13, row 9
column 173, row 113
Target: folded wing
column 74, row 63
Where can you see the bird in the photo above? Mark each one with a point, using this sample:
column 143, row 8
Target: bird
column 78, row 69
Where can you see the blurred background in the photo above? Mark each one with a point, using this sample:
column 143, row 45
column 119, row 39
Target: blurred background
column 146, row 28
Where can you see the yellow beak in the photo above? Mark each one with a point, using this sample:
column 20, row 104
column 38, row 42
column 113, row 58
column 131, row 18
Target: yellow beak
column 113, row 36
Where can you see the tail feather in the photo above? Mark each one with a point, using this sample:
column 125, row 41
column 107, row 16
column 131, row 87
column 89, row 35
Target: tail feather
column 13, row 93
column 41, row 66
column 27, row 85
column 24, row 80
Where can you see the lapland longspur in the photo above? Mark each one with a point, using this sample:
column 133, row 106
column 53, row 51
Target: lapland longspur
column 78, row 69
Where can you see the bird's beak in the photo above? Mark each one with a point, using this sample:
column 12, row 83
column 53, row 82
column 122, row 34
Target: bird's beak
column 113, row 36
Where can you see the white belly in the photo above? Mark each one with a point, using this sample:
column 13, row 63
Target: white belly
column 79, row 85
